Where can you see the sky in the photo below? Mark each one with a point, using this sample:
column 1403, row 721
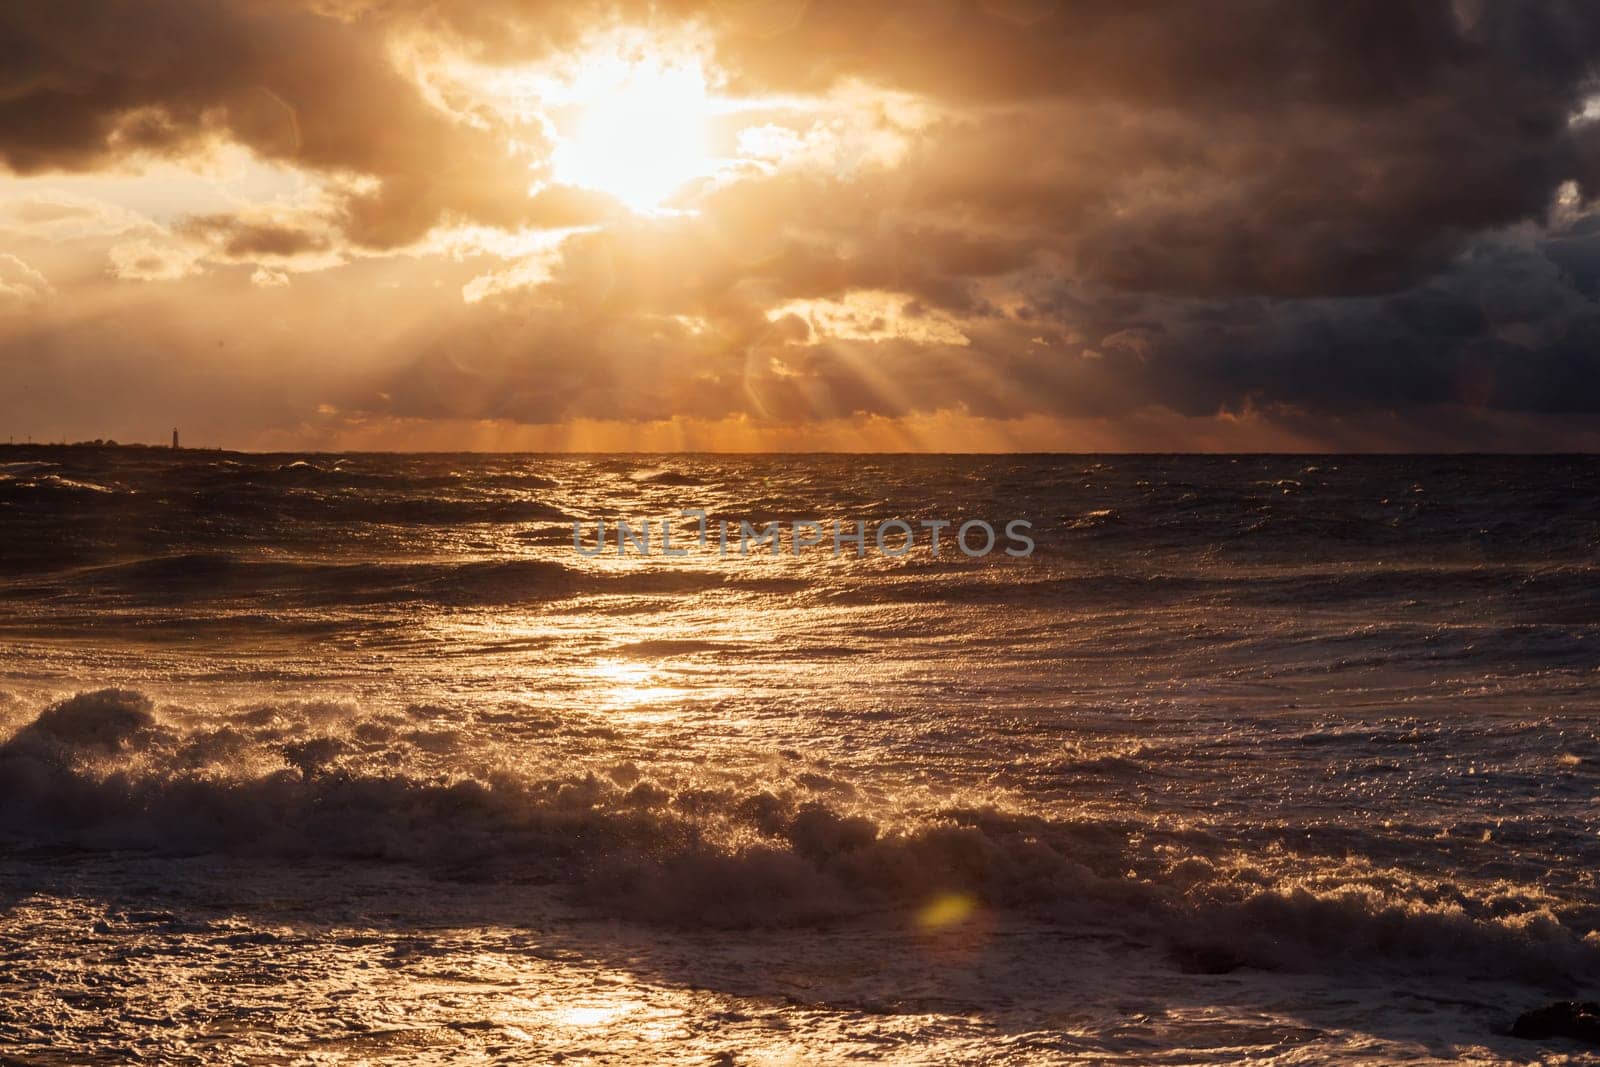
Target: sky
column 936, row 225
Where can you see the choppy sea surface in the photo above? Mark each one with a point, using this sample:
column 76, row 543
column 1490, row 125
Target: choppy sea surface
column 336, row 759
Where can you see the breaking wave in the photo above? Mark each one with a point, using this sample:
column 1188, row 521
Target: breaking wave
column 109, row 770
column 201, row 576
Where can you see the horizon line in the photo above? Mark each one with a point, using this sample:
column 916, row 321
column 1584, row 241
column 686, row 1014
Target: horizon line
column 1376, row 453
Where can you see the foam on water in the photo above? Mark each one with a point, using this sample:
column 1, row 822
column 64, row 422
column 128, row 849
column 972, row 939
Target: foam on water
column 1286, row 759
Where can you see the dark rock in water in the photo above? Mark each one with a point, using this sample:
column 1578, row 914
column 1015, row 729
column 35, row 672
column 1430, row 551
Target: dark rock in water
column 1578, row 1020
column 1207, row 959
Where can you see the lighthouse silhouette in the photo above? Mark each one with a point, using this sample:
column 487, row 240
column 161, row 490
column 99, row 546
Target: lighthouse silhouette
column 174, row 437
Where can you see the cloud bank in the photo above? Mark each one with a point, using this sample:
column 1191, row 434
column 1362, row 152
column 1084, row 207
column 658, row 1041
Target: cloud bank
column 1007, row 223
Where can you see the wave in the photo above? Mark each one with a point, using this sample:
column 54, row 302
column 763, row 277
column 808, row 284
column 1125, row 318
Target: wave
column 209, row 576
column 1521, row 595
column 34, row 481
column 107, row 770
column 402, row 475
column 410, row 505
column 660, row 476
column 23, row 470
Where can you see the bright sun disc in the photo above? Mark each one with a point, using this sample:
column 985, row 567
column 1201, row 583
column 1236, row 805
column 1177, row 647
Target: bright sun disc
column 640, row 132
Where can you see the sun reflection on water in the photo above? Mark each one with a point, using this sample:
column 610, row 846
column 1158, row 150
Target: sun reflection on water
column 591, row 1014
column 624, row 684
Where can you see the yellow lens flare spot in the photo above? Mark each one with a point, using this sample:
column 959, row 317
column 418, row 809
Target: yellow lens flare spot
column 947, row 910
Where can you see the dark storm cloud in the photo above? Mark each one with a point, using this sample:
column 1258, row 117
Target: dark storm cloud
column 1304, row 148
column 1217, row 56
column 1507, row 328
column 1296, row 205
column 1310, row 206
column 83, row 83
column 1294, row 149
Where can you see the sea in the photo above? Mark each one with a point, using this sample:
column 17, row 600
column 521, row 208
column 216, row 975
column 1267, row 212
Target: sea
column 355, row 758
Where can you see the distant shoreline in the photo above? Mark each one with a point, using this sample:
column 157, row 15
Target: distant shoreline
column 120, row 446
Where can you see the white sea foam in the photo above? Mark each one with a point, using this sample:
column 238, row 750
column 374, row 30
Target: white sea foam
column 102, row 770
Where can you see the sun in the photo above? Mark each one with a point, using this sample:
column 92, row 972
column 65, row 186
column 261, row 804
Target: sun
column 637, row 129
column 628, row 113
